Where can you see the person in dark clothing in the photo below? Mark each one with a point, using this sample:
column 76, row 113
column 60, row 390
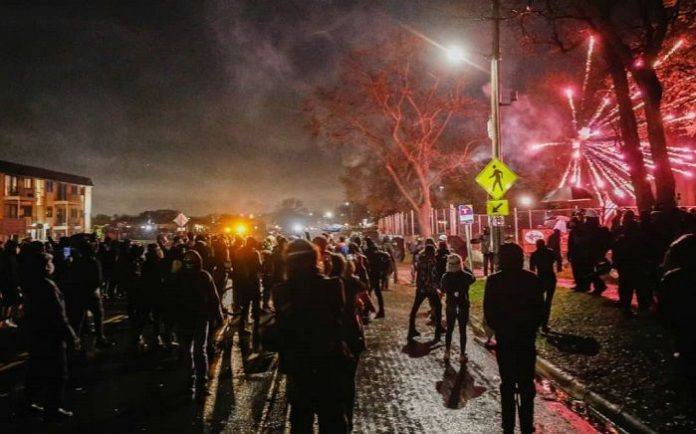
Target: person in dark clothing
column 588, row 244
column 220, row 263
column 198, row 307
column 152, row 309
column 513, row 306
column 84, row 280
column 246, row 273
column 455, row 283
column 441, row 255
column 354, row 333
column 48, row 332
column 9, row 283
column 266, row 279
column 541, row 262
column 677, row 302
column 554, row 243
column 487, row 251
column 427, row 283
column 377, row 273
column 310, row 337
column 631, row 254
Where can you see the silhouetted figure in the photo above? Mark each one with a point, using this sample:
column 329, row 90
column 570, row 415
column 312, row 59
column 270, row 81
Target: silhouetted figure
column 427, row 283
column 514, row 308
column 677, row 302
column 247, row 284
column 309, row 335
column 554, row 243
column 198, row 306
column 541, row 262
column 455, row 284
column 377, row 271
column 48, row 333
column 632, row 259
column 487, row 251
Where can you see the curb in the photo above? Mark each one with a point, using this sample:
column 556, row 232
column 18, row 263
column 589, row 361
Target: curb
column 573, row 387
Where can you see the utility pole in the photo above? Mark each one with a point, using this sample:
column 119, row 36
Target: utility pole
column 494, row 127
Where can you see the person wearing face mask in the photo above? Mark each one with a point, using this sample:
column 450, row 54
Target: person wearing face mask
column 48, row 332
column 198, row 308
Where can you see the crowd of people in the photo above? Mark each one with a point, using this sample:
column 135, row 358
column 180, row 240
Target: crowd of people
column 172, row 291
column 321, row 294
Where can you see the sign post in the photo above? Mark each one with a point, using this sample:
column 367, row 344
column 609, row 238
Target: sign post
column 466, row 218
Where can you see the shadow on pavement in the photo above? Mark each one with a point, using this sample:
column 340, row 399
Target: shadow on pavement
column 416, row 349
column 457, row 388
column 573, row 344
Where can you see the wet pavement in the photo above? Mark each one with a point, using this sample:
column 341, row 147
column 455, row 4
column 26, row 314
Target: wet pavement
column 401, row 388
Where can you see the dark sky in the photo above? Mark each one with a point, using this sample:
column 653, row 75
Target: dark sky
column 192, row 105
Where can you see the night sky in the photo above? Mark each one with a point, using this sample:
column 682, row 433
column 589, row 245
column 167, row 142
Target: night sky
column 191, row 105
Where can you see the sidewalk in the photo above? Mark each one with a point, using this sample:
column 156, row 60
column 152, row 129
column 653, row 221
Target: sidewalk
column 627, row 360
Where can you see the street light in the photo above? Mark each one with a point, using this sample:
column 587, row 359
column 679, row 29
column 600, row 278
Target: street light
column 328, row 214
column 525, row 201
column 455, row 54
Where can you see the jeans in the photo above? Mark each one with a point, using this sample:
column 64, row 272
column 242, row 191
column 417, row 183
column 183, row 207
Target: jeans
column 193, row 339
column 435, row 303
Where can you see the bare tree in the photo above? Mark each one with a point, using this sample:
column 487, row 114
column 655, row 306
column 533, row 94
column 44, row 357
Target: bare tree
column 392, row 107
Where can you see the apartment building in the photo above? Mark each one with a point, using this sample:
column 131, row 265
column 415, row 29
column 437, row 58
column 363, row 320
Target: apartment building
column 38, row 202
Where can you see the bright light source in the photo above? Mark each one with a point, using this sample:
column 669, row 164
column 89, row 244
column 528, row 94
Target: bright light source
column 328, row 214
column 585, row 133
column 228, row 230
column 297, row 228
column 455, row 54
column 241, row 229
column 569, row 92
column 526, row 200
column 347, row 204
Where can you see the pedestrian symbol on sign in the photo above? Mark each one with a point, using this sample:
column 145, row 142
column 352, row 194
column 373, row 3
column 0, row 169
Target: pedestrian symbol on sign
column 498, row 175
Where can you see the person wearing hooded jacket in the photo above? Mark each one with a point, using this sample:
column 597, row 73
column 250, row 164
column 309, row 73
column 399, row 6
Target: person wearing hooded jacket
column 513, row 306
column 48, row 332
column 198, row 308
column 455, row 284
column 310, row 337
column 677, row 302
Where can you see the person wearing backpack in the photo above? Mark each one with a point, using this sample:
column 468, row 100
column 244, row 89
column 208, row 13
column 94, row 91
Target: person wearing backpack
column 455, row 284
column 309, row 336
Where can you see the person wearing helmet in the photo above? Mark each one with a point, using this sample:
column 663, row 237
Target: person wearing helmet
column 198, row 308
column 513, row 306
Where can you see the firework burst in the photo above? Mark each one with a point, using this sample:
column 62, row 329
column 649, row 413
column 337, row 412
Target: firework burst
column 596, row 158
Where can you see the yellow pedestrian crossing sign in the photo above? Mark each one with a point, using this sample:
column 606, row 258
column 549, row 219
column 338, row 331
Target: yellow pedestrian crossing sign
column 497, row 207
column 496, row 178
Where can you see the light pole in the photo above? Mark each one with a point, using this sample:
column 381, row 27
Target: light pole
column 494, row 126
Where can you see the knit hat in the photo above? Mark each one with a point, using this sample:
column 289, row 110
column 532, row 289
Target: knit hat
column 454, row 263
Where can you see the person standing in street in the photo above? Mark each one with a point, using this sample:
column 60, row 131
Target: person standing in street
column 455, row 284
column 198, row 308
column 486, row 251
column 247, row 284
column 376, row 269
column 632, row 259
column 10, row 290
column 427, row 283
column 310, row 338
column 554, row 243
column 513, row 306
column 48, row 333
column 541, row 262
column 677, row 303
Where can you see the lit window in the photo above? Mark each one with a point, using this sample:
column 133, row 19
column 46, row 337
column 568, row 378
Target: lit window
column 27, row 182
column 49, row 211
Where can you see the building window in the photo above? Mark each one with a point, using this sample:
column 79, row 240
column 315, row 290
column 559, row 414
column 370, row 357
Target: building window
column 82, row 191
column 11, row 211
column 62, row 192
column 61, row 217
column 27, row 182
column 49, row 186
column 73, row 189
column 73, row 213
column 11, row 186
column 49, row 211
column 27, row 211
